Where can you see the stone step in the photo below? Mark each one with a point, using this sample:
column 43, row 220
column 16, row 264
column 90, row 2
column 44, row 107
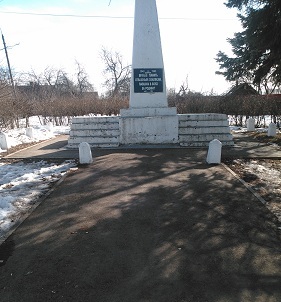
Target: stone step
column 93, row 140
column 204, row 137
column 148, row 112
column 93, row 145
column 191, row 123
column 95, row 133
column 204, row 130
column 95, row 119
column 205, row 144
column 95, row 126
column 203, row 117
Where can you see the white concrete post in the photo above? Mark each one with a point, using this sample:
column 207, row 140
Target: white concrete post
column 250, row 124
column 271, row 129
column 49, row 126
column 29, row 132
column 85, row 153
column 4, row 141
column 214, row 152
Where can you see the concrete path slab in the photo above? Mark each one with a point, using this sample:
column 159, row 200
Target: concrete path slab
column 248, row 147
column 145, row 226
column 52, row 148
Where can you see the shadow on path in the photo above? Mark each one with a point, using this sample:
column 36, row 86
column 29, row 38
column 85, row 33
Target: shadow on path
column 156, row 225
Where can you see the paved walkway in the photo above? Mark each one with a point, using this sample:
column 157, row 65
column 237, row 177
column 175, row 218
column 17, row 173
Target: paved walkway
column 245, row 147
column 248, row 147
column 145, row 225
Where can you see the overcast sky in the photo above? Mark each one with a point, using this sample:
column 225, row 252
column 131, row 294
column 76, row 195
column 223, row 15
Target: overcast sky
column 56, row 33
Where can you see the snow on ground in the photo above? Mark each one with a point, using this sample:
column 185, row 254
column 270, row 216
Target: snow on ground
column 270, row 175
column 21, row 183
column 267, row 173
column 264, row 177
column 40, row 132
column 237, row 129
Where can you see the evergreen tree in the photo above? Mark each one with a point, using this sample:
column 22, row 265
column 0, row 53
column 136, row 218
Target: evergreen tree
column 257, row 49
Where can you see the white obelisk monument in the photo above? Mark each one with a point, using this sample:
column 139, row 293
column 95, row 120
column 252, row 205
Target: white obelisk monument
column 148, row 120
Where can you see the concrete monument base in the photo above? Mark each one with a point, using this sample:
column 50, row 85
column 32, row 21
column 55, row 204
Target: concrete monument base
column 141, row 126
column 148, row 126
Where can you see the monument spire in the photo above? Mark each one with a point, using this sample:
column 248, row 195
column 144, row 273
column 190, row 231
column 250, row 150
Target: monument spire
column 148, row 88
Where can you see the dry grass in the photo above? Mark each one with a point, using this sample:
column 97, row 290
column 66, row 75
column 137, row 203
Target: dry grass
column 263, row 138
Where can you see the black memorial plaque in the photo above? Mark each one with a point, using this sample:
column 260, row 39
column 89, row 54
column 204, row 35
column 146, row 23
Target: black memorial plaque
column 148, row 80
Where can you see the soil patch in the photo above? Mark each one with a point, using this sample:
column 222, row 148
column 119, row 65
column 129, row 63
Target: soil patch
column 264, row 176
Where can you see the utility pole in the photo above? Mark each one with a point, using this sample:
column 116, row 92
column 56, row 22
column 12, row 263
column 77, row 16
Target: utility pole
column 9, row 66
column 12, row 81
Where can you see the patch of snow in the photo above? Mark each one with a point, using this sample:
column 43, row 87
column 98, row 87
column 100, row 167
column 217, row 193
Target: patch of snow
column 237, row 129
column 40, row 132
column 266, row 172
column 22, row 183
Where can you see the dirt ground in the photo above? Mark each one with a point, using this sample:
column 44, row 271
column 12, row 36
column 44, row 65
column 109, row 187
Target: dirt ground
column 267, row 186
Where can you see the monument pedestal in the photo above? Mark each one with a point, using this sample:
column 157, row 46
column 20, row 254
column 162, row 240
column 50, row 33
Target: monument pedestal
column 148, row 126
column 149, row 120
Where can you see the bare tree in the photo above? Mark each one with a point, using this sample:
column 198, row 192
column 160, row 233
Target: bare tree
column 10, row 111
column 54, row 95
column 117, row 74
column 51, row 94
column 184, row 89
column 82, row 80
column 6, row 102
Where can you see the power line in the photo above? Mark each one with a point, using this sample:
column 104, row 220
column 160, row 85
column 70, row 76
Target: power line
column 111, row 17
column 65, row 15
